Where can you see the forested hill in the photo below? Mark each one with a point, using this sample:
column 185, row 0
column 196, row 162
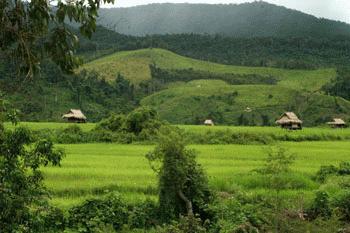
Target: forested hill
column 290, row 53
column 258, row 19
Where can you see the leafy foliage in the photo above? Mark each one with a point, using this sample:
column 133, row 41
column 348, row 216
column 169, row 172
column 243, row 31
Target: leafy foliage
column 183, row 185
column 21, row 187
column 278, row 161
column 186, row 75
column 188, row 224
column 340, row 86
column 96, row 215
column 142, row 122
column 26, row 26
column 296, row 52
column 52, row 93
column 320, row 207
column 325, row 171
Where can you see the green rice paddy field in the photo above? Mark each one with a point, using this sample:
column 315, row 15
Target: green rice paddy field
column 321, row 131
column 91, row 170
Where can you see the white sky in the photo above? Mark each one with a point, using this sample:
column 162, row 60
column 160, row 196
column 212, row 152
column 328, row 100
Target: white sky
column 331, row 9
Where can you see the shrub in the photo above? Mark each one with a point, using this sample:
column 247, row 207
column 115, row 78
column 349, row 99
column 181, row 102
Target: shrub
column 320, row 207
column 237, row 216
column 71, row 134
column 140, row 119
column 114, row 123
column 48, row 219
column 143, row 215
column 183, row 185
column 95, row 215
column 344, row 168
column 142, row 124
column 343, row 204
column 189, row 224
column 325, row 171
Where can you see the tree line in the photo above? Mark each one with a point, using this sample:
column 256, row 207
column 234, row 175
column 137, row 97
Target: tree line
column 289, row 53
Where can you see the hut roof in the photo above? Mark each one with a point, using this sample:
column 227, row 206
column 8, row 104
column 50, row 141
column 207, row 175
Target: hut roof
column 289, row 117
column 208, row 122
column 74, row 113
column 337, row 121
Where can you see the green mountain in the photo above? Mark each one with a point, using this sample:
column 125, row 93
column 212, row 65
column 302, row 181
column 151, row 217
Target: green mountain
column 257, row 19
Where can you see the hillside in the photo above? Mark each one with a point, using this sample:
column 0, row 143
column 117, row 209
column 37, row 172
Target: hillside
column 257, row 19
column 290, row 53
column 134, row 65
column 191, row 102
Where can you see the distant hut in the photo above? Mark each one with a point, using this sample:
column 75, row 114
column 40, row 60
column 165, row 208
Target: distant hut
column 248, row 109
column 209, row 122
column 75, row 116
column 290, row 121
column 337, row 123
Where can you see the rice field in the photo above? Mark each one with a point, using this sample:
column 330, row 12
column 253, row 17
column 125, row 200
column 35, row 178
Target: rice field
column 90, row 170
column 50, row 125
column 322, row 132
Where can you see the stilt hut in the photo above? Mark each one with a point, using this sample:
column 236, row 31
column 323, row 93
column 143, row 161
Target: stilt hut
column 75, row 116
column 209, row 122
column 337, row 123
column 289, row 120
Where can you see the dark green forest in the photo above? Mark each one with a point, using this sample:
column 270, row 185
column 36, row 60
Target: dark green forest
column 51, row 93
column 289, row 53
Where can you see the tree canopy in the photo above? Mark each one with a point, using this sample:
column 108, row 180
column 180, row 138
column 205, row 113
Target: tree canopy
column 31, row 30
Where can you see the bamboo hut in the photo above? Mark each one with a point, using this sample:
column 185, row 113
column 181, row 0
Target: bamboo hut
column 75, row 116
column 209, row 122
column 289, row 120
column 337, row 123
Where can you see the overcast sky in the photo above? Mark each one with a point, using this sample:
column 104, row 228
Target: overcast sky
column 331, row 9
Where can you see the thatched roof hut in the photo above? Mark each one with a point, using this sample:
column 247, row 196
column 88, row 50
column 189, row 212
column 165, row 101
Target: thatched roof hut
column 75, row 115
column 337, row 123
column 289, row 120
column 209, row 122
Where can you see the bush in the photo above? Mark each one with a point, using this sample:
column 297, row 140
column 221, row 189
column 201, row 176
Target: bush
column 114, row 123
column 183, row 185
column 48, row 219
column 320, row 207
column 238, row 216
column 143, row 215
column 344, row 168
column 325, row 171
column 71, row 134
column 343, row 205
column 95, row 215
column 189, row 224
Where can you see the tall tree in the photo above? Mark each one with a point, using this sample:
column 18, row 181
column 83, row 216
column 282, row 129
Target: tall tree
column 30, row 30
column 183, row 185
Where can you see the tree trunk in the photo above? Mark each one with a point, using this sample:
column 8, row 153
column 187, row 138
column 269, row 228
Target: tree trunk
column 188, row 203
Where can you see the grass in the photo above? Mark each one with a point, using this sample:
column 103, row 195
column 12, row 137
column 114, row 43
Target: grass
column 50, row 125
column 93, row 169
column 320, row 132
column 135, row 66
column 200, row 99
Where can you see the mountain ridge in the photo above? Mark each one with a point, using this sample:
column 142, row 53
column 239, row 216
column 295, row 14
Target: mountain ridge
column 257, row 19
